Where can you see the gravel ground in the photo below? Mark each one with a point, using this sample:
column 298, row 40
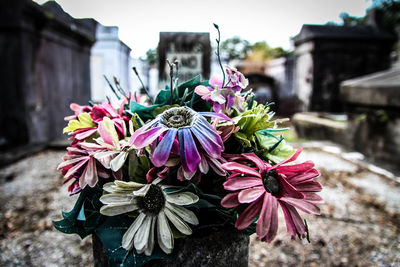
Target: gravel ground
column 359, row 225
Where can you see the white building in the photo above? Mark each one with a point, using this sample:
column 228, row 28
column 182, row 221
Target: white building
column 109, row 57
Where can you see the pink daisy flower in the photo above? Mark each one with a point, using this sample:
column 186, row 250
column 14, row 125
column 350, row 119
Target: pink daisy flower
column 264, row 187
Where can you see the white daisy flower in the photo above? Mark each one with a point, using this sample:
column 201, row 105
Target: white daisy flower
column 157, row 210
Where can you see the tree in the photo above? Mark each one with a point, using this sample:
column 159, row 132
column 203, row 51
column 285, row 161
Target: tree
column 261, row 51
column 389, row 11
column 236, row 47
column 151, row 56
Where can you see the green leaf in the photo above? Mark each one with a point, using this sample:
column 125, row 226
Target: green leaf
column 84, row 121
column 242, row 138
column 88, row 200
column 138, row 167
column 136, row 121
column 281, row 149
column 144, row 112
column 163, row 97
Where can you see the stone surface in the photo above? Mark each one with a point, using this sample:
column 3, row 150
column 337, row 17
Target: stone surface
column 45, row 55
column 373, row 106
column 191, row 49
column 377, row 89
column 314, row 126
column 326, row 55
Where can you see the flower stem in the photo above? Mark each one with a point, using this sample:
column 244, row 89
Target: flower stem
column 218, row 54
column 171, row 76
column 144, row 87
column 111, row 87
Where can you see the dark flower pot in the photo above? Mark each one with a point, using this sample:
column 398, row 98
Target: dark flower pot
column 227, row 247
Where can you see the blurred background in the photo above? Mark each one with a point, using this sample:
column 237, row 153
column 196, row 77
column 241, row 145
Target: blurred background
column 333, row 67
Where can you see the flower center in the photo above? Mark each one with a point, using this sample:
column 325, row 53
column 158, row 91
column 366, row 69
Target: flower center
column 178, row 117
column 271, row 182
column 153, row 201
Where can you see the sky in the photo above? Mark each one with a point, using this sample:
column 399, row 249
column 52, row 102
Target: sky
column 273, row 21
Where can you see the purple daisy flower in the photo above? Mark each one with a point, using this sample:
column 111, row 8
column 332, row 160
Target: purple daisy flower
column 190, row 128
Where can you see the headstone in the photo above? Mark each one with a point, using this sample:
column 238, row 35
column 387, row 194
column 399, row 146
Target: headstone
column 191, row 49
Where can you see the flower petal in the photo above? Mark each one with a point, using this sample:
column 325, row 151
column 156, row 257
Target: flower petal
column 177, row 222
column 117, row 162
column 257, row 161
column 182, row 198
column 251, row 194
column 288, row 190
column 208, row 139
column 164, row 234
column 190, row 157
column 267, row 224
column 230, row 200
column 216, row 115
column 115, row 198
column 142, row 139
column 127, row 239
column 294, row 223
column 302, row 205
column 76, row 167
column 308, row 186
column 248, row 215
column 118, row 208
column 303, row 177
column 91, row 176
column 163, row 149
column 187, row 215
column 142, row 236
column 296, row 168
column 236, row 167
column 242, row 183
column 150, row 242
column 290, row 159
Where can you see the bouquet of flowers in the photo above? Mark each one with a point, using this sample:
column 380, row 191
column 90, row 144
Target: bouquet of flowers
column 202, row 156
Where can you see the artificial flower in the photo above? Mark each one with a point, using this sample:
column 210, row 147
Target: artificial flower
column 80, row 164
column 222, row 99
column 191, row 130
column 251, row 121
column 157, row 209
column 236, row 79
column 263, row 187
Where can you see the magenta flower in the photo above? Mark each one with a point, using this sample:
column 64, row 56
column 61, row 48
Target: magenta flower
column 191, row 130
column 222, row 99
column 264, row 187
column 79, row 164
column 236, row 79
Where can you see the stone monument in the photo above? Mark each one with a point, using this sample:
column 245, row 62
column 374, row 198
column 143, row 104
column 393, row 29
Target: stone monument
column 191, row 49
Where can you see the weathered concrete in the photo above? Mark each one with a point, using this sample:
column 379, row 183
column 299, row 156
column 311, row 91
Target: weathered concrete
column 310, row 125
column 373, row 105
column 45, row 57
column 326, row 55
